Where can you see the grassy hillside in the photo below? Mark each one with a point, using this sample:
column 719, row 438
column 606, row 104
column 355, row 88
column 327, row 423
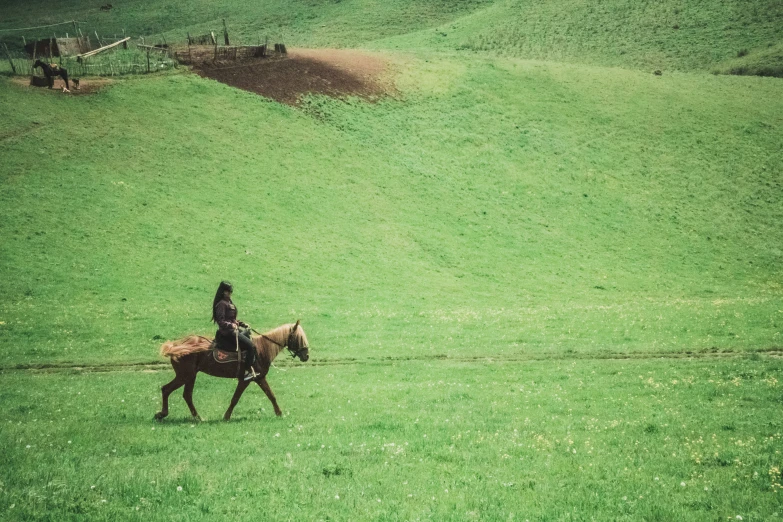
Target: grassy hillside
column 649, row 35
column 518, row 277
column 758, row 62
column 298, row 23
column 501, row 205
column 669, row 34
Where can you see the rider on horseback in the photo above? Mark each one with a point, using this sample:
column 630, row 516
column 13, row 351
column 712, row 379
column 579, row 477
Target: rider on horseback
column 231, row 331
column 51, row 70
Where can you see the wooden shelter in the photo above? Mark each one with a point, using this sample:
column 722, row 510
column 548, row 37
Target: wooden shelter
column 59, row 46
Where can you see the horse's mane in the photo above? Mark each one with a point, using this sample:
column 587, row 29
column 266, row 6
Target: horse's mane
column 280, row 335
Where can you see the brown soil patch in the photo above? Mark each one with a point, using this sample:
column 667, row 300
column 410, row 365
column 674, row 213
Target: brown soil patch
column 86, row 85
column 332, row 72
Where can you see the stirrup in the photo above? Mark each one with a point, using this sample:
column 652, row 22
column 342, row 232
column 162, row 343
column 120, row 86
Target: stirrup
column 250, row 375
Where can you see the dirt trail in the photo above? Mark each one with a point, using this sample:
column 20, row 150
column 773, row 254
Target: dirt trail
column 86, row 85
column 164, row 365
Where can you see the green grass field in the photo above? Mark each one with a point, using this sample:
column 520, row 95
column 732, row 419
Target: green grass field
column 433, row 440
column 539, row 282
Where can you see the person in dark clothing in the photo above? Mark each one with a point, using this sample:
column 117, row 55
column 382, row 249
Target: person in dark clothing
column 50, row 71
column 230, row 330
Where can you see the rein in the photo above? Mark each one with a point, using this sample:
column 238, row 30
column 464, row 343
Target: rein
column 294, row 353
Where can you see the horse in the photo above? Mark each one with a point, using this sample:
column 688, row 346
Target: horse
column 193, row 354
column 52, row 70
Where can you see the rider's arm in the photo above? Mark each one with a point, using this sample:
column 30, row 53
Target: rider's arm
column 225, row 325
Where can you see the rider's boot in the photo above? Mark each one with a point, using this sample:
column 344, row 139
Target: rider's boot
column 250, row 374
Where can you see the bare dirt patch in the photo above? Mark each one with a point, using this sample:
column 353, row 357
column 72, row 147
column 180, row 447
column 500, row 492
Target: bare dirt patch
column 332, row 72
column 86, row 85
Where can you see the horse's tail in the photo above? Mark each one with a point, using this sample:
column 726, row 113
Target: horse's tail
column 185, row 346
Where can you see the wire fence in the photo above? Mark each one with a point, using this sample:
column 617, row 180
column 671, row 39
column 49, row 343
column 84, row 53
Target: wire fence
column 117, row 63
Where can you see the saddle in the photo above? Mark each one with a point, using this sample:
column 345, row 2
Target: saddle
column 222, row 356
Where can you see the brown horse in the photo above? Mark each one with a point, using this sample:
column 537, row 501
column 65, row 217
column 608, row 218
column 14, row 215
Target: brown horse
column 192, row 354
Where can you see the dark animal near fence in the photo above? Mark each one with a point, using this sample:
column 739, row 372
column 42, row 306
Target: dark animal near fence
column 193, row 354
column 106, row 7
column 52, row 70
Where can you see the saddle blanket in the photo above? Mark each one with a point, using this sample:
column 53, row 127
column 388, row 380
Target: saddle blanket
column 222, row 356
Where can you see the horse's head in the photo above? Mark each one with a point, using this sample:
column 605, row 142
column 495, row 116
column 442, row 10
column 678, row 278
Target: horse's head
column 297, row 343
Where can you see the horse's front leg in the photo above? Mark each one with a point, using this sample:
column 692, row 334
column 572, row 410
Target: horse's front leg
column 265, row 386
column 241, row 386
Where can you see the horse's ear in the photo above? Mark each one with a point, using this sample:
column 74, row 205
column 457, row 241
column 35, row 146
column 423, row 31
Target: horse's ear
column 296, row 325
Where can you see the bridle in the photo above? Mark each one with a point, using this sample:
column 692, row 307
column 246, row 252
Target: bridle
column 294, row 353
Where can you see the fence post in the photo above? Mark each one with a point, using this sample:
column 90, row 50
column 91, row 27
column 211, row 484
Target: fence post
column 225, row 33
column 148, row 60
column 13, row 68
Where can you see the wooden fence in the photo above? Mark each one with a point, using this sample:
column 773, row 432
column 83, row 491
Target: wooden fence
column 137, row 65
column 219, row 53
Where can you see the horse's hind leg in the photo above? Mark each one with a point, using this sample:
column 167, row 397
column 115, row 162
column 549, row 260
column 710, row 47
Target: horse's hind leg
column 241, row 386
column 166, row 390
column 188, row 395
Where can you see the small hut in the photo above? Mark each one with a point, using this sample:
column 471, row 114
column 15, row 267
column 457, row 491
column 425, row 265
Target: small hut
column 59, row 46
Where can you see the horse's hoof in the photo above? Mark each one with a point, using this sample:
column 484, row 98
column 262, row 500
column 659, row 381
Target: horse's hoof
column 160, row 415
column 279, row 413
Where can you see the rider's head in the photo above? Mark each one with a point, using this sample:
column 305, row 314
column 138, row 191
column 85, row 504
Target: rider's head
column 224, row 287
